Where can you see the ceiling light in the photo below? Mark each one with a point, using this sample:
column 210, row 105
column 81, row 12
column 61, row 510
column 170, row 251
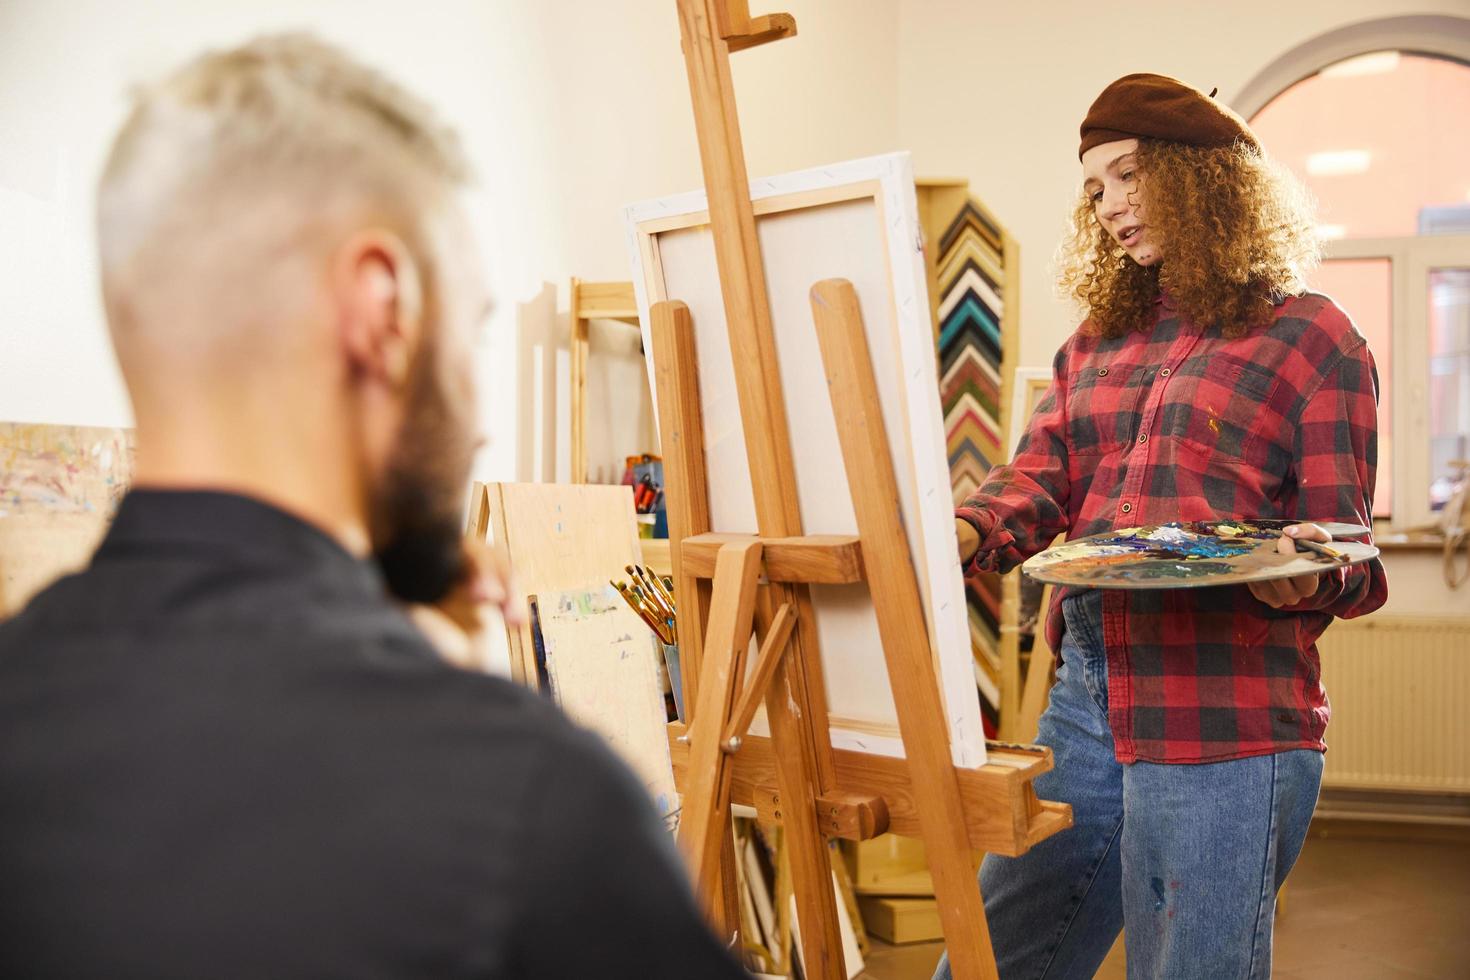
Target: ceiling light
column 1375, row 63
column 1332, row 163
column 1329, row 233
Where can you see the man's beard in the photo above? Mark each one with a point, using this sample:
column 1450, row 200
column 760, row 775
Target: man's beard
column 417, row 512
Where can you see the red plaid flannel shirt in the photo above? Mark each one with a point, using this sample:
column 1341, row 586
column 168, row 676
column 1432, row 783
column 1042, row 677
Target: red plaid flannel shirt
column 1180, row 423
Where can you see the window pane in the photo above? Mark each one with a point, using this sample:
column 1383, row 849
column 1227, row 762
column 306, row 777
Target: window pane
column 1381, row 140
column 1364, row 288
column 1449, row 378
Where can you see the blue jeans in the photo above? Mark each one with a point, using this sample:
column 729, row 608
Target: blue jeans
column 1187, row 857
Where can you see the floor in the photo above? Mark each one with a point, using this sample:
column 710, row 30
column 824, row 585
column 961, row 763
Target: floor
column 1354, row 910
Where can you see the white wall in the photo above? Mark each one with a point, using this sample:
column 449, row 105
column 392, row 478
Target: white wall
column 569, row 109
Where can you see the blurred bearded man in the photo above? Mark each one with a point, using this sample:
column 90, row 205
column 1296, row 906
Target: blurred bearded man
column 225, row 750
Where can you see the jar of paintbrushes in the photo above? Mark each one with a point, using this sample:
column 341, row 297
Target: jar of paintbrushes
column 652, row 598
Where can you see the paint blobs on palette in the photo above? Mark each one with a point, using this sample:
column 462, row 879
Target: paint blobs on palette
column 1185, row 554
column 1103, row 567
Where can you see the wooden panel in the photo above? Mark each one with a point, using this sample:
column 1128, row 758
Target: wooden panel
column 832, row 559
column 560, row 537
column 602, row 664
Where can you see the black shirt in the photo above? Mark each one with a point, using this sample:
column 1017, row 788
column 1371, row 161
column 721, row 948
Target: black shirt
column 225, row 753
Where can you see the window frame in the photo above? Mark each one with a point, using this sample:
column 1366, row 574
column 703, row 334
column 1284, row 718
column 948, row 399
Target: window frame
column 1410, row 258
column 1430, row 35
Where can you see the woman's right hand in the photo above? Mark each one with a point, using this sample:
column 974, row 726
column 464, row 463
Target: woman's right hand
column 969, row 539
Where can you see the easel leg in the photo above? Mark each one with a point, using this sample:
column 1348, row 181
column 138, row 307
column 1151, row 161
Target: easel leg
column 705, row 822
column 806, row 844
column 901, row 623
column 676, row 373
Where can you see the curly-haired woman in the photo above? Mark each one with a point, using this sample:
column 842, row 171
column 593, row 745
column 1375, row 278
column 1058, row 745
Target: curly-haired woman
column 1205, row 382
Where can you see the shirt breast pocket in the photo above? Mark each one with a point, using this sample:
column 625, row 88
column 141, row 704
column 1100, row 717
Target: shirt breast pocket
column 1102, row 409
column 1215, row 405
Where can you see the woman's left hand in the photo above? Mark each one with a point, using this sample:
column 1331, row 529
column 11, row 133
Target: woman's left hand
column 1288, row 591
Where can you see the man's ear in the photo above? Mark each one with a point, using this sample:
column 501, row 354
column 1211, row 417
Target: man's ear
column 379, row 304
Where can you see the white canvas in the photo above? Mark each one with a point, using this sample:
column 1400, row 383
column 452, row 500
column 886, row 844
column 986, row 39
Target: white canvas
column 857, row 221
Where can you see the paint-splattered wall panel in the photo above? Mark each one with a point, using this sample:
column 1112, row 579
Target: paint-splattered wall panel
column 973, row 284
column 59, row 486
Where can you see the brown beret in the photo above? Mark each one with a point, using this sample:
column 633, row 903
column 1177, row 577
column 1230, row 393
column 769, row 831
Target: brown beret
column 1162, row 108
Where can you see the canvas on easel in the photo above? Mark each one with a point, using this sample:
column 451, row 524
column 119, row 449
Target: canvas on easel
column 857, row 221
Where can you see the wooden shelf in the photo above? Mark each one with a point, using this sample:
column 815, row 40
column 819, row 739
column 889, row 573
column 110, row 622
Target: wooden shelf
column 587, row 301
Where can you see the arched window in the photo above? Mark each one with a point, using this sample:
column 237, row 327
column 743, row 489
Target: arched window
column 1381, row 135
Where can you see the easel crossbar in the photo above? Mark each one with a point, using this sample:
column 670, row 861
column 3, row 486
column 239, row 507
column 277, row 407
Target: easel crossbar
column 1002, row 812
column 814, row 559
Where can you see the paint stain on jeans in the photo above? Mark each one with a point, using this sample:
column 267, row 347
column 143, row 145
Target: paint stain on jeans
column 1158, row 886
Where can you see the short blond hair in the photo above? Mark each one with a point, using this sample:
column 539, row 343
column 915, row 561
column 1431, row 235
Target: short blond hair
column 262, row 140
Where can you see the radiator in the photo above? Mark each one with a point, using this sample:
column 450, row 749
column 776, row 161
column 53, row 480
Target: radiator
column 1400, row 692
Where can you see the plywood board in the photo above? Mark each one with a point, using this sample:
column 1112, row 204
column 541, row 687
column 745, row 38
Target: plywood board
column 856, row 221
column 559, row 537
column 602, row 662
column 59, row 487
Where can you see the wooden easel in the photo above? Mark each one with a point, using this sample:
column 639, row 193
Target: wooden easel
column 736, row 585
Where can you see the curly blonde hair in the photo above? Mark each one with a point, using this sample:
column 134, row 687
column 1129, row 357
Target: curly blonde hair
column 1236, row 231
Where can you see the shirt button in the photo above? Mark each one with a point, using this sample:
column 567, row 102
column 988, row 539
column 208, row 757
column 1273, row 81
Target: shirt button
column 1127, row 508
column 1165, row 373
column 1102, row 372
column 1143, row 439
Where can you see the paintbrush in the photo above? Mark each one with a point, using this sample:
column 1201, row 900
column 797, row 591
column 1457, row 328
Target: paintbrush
column 658, row 586
column 655, row 593
column 668, row 592
column 640, row 586
column 665, row 597
column 1317, row 547
column 654, row 607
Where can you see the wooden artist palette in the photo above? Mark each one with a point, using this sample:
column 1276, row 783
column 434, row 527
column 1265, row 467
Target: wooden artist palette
column 1190, row 554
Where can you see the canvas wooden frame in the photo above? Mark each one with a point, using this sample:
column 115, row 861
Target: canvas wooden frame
column 1027, row 391
column 672, row 254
